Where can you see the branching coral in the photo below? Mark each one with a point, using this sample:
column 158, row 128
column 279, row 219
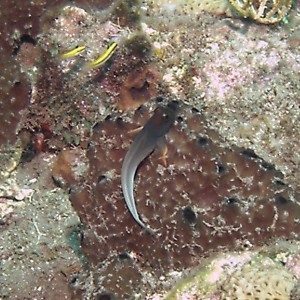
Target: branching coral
column 263, row 11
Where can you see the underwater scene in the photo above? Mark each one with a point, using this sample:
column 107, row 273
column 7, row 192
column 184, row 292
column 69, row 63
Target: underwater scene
column 150, row 150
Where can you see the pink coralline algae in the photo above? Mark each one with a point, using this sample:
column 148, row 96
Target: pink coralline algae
column 209, row 197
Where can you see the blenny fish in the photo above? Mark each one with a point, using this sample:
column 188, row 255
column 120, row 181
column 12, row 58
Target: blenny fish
column 143, row 145
column 105, row 56
column 73, row 52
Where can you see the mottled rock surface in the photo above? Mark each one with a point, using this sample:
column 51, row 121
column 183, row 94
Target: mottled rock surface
column 209, row 197
column 232, row 174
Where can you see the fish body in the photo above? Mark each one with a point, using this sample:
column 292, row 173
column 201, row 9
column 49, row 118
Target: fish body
column 74, row 52
column 105, row 56
column 143, row 145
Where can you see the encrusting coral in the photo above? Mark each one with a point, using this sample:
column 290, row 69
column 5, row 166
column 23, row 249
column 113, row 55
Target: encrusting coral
column 208, row 198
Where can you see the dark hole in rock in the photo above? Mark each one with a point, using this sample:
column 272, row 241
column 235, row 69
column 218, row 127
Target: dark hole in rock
column 281, row 200
column 246, row 245
column 124, row 255
column 105, row 296
column 267, row 166
column 231, row 200
column 120, row 121
column 249, row 153
column 72, row 189
column 28, row 153
column 180, row 119
column 189, row 215
column 102, row 179
column 279, row 182
column 283, row 263
column 202, row 141
column 159, row 99
column 194, row 110
column 221, row 168
column 140, row 108
column 59, row 181
column 25, row 38
column 96, row 126
column 73, row 279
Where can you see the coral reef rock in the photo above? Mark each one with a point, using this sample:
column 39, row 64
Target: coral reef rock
column 209, row 197
column 263, row 280
column 260, row 273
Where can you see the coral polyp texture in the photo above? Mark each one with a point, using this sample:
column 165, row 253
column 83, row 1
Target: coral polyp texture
column 209, row 197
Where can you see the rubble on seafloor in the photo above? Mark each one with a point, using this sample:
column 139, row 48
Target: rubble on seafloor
column 230, row 183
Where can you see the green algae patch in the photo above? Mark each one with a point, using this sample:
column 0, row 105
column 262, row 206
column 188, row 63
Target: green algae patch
column 206, row 279
column 269, row 271
column 197, row 284
column 73, row 240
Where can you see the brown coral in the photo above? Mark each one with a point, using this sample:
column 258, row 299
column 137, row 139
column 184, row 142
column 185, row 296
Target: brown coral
column 209, row 197
column 19, row 23
column 69, row 167
column 133, row 77
column 139, row 87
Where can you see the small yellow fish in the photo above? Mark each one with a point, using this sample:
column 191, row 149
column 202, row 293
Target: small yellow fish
column 104, row 57
column 76, row 51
